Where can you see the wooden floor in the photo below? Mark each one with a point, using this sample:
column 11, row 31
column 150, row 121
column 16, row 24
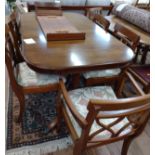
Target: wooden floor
column 140, row 146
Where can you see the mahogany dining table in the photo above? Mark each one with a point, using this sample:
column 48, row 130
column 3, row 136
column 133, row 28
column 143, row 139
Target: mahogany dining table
column 99, row 50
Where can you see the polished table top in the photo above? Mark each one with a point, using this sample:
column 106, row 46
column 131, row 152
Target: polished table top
column 145, row 36
column 99, row 50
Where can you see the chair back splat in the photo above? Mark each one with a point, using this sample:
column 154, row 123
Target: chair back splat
column 95, row 116
column 47, row 9
column 47, row 6
column 23, row 79
column 127, row 36
column 91, row 12
column 101, row 21
column 14, row 28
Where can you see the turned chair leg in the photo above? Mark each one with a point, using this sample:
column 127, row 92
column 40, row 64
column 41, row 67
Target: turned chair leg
column 22, row 107
column 126, row 145
column 56, row 123
column 59, row 116
column 77, row 150
column 119, row 87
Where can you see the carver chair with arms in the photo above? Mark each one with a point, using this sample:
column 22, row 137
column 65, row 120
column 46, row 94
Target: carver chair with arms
column 23, row 79
column 98, row 77
column 95, row 116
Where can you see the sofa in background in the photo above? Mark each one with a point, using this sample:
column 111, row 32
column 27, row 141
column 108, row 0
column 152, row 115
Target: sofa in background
column 132, row 14
column 80, row 6
column 75, row 2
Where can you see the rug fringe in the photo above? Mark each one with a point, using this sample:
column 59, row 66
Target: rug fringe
column 42, row 149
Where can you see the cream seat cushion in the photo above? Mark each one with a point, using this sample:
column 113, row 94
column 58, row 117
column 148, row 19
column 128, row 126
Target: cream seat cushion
column 80, row 99
column 102, row 73
column 28, row 77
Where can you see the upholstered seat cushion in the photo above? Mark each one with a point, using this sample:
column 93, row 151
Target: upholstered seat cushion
column 80, row 99
column 28, row 77
column 101, row 73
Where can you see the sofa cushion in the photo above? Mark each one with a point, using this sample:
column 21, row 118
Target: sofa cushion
column 134, row 15
column 98, row 2
column 102, row 73
column 28, row 77
column 75, row 2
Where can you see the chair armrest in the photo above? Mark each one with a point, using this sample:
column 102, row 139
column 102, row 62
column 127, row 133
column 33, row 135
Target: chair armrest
column 120, row 107
column 135, row 84
column 80, row 119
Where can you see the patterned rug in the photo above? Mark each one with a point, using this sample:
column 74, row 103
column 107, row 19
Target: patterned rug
column 39, row 111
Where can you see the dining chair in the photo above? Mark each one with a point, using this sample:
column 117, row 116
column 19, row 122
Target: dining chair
column 142, row 53
column 130, row 38
column 47, row 6
column 23, row 79
column 126, row 36
column 15, row 25
column 101, row 21
column 142, row 5
column 91, row 12
column 95, row 116
column 14, row 29
column 47, row 9
column 141, row 68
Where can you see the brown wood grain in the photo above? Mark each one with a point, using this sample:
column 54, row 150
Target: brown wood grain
column 59, row 28
column 135, row 109
column 99, row 49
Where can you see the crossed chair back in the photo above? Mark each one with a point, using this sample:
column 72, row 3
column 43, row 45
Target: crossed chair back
column 101, row 21
column 134, row 109
column 127, row 36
